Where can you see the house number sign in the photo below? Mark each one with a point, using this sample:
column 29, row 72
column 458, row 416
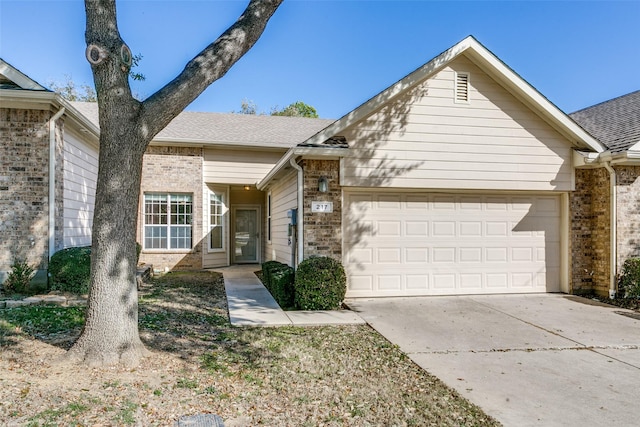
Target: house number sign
column 326, row 207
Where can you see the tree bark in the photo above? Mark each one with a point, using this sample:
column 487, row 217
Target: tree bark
column 110, row 335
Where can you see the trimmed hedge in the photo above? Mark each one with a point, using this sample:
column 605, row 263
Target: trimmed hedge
column 320, row 284
column 278, row 279
column 629, row 282
column 70, row 269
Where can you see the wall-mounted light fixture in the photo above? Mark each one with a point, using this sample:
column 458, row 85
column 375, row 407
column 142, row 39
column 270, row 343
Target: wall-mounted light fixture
column 323, row 184
column 246, row 187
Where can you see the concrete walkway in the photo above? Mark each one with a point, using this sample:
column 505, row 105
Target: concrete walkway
column 251, row 304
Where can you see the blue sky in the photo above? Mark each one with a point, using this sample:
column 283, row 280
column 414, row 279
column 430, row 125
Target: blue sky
column 334, row 55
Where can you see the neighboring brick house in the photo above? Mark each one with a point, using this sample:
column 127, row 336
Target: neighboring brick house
column 48, row 169
column 607, row 195
column 460, row 178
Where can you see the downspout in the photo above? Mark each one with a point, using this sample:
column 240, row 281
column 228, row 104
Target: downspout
column 300, row 219
column 614, row 230
column 52, row 180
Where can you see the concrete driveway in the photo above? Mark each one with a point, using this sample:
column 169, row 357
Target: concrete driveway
column 543, row 360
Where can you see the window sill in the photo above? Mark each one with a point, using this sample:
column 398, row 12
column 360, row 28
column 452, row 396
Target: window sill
column 166, row 251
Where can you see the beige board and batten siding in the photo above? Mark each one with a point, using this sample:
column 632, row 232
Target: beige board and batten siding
column 284, row 197
column 80, row 166
column 425, row 139
column 241, row 167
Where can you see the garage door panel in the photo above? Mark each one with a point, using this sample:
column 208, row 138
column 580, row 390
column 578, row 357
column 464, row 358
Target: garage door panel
column 389, row 282
column 522, row 254
column 470, row 229
column 470, row 281
column 417, row 282
column 416, row 228
column 359, row 284
column 443, row 244
column 471, row 255
column 419, row 255
column 389, row 255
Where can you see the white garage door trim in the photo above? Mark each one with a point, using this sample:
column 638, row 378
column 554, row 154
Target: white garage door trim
column 421, row 243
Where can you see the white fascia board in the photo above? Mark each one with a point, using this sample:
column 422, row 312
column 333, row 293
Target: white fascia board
column 625, row 158
column 306, row 152
column 585, row 159
column 630, row 158
column 635, row 147
column 45, row 100
column 25, row 97
column 19, row 78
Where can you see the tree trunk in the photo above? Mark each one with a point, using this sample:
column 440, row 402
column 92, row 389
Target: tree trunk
column 110, row 335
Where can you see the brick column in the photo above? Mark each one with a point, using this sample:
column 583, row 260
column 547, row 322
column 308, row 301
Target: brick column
column 590, row 232
column 322, row 231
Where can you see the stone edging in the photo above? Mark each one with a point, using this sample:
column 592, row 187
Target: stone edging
column 143, row 273
column 53, row 299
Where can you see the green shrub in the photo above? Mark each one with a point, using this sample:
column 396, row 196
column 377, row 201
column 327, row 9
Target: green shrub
column 278, row 279
column 320, row 284
column 267, row 267
column 70, row 269
column 629, row 282
column 281, row 286
column 19, row 277
column 138, row 250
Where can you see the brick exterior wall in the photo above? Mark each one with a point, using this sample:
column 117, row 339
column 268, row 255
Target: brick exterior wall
column 582, row 253
column 591, row 226
column 628, row 226
column 322, row 231
column 24, row 186
column 174, row 170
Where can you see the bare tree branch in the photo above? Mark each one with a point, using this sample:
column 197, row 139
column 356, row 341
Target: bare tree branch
column 208, row 66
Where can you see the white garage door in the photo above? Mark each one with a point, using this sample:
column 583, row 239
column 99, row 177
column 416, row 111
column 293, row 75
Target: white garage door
column 450, row 244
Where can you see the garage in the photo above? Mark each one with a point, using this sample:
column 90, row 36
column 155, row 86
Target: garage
column 414, row 243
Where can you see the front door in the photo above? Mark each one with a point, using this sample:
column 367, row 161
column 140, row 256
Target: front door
column 246, row 235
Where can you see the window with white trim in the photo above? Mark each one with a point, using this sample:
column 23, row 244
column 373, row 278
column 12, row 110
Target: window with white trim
column 462, row 87
column 167, row 221
column 217, row 209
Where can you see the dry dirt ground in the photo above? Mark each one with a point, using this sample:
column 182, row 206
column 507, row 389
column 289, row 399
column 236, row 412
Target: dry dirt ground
column 323, row 376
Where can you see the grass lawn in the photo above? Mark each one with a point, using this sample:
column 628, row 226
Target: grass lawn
column 287, row 376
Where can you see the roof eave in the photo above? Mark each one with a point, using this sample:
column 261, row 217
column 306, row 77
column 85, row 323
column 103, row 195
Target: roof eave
column 184, row 142
column 490, row 63
column 46, row 100
column 520, row 88
column 19, row 78
column 295, row 152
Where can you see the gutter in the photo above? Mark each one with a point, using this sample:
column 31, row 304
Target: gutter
column 300, row 219
column 614, row 229
column 52, row 180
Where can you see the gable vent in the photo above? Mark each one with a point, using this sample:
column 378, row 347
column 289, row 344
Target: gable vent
column 462, row 87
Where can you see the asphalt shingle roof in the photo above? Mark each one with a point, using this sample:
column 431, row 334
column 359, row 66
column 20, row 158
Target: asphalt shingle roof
column 615, row 123
column 241, row 130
